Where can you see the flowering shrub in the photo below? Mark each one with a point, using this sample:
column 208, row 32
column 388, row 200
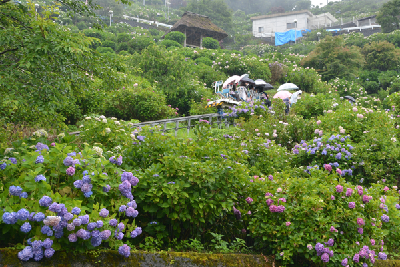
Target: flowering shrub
column 319, row 225
column 54, row 195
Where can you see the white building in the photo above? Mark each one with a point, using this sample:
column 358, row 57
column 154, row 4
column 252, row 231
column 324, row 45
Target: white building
column 267, row 25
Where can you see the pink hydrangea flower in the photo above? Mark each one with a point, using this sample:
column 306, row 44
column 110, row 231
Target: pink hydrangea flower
column 53, row 144
column 328, row 167
column 318, row 122
column 360, row 221
column 339, row 171
column 339, row 188
column 270, row 177
column 386, row 188
column 288, row 223
column 71, row 171
column 249, row 200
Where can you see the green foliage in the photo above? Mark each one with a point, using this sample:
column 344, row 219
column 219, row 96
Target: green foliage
column 176, row 36
column 309, row 106
column 210, row 43
column 140, row 103
column 108, row 43
column 138, row 44
column 332, row 59
column 317, row 35
column 123, row 37
column 388, row 16
column 104, row 50
column 170, row 43
column 382, row 56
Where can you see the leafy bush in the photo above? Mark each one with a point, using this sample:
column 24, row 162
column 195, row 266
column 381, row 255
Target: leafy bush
column 176, row 36
column 382, row 56
column 143, row 104
column 210, row 43
column 105, row 50
column 108, row 43
column 81, row 25
column 44, row 192
column 138, row 44
column 123, row 37
column 170, row 43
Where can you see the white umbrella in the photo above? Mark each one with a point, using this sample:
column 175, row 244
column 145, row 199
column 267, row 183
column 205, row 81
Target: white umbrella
column 282, row 95
column 287, row 87
column 241, row 77
column 295, row 95
column 260, row 82
column 230, row 80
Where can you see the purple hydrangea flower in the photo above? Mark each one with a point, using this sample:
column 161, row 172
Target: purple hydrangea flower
column 99, row 224
column 360, row 231
column 106, row 188
column 122, row 208
column 86, row 179
column 138, row 230
column 72, row 238
column 39, row 159
column 325, row 257
column 71, row 171
column 78, row 183
column 13, row 160
column 124, row 250
column 131, row 212
column 104, row 235
column 121, row 226
column 68, row 161
column 77, row 222
column 344, row 262
column 25, row 254
column 385, row 218
column 113, row 222
column 330, row 242
column 382, row 256
column 85, row 219
column 352, row 205
column 49, row 252
column 91, row 226
column 76, row 211
column 95, row 241
column 104, row 213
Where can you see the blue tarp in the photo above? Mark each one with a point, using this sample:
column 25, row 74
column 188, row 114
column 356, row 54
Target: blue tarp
column 285, row 37
column 332, row 30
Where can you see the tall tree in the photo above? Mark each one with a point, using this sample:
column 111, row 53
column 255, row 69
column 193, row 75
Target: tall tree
column 388, row 16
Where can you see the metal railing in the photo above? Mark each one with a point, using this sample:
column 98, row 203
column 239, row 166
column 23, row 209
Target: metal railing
column 187, row 120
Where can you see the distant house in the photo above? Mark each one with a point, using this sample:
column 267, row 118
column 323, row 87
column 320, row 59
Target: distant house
column 267, row 25
column 196, row 27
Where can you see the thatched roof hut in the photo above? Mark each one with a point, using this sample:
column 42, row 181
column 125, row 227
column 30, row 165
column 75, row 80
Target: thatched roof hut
column 196, row 27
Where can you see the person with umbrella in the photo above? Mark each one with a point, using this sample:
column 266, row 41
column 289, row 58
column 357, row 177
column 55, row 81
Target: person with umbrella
column 267, row 100
column 350, row 99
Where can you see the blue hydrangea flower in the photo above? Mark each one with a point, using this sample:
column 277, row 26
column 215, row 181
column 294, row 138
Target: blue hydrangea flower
column 106, row 188
column 25, row 254
column 99, row 224
column 3, row 166
column 26, row 227
column 85, row 172
column 86, row 179
column 113, row 222
column 59, row 234
column 40, row 177
column 122, row 208
column 39, row 159
column 37, row 244
column 88, row 194
column 78, row 183
column 15, row 190
column 24, row 195
column 45, row 201
column 39, row 146
column 13, row 160
column 85, row 219
column 39, row 217
column 124, row 250
column 68, row 161
column 22, row 214
column 47, row 243
column 49, row 252
column 72, row 154
column 91, row 226
column 104, row 213
column 10, row 218
column 76, row 211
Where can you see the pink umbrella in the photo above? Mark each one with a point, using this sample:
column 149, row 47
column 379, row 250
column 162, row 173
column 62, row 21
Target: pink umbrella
column 282, row 95
column 230, row 80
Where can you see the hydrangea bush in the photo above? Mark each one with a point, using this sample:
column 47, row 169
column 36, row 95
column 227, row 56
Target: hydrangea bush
column 54, row 195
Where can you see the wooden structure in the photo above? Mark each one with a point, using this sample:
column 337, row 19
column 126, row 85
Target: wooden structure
column 196, row 27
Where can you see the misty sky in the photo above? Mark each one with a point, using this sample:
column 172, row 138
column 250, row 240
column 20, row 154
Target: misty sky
column 318, row 2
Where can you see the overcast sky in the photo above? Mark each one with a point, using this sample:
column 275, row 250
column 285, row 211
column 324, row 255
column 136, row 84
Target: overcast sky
column 318, row 2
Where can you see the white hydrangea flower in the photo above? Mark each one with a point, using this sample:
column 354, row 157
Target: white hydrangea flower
column 105, row 120
column 98, row 150
column 117, row 148
column 113, row 118
column 40, row 133
column 133, row 136
column 108, row 130
column 97, row 119
column 52, row 220
column 117, row 122
column 88, row 118
column 81, row 126
column 102, row 117
column 61, row 135
column 8, row 150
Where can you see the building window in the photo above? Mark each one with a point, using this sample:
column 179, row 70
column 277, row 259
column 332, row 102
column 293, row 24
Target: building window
column 260, row 29
column 291, row 25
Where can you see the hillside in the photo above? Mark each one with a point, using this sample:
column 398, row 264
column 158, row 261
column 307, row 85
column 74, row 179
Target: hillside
column 350, row 8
